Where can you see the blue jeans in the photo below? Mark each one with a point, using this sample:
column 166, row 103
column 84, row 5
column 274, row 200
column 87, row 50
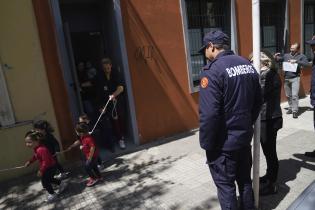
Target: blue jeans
column 291, row 88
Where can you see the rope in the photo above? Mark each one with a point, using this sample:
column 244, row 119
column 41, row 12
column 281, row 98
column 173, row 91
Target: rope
column 100, row 116
column 114, row 111
column 19, row 167
column 59, row 153
column 9, row 169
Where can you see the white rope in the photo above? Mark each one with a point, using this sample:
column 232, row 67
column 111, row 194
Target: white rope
column 100, row 116
column 59, row 153
column 9, row 169
column 114, row 111
column 19, row 167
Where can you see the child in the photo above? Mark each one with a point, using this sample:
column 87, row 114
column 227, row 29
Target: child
column 47, row 164
column 90, row 151
column 84, row 118
column 51, row 143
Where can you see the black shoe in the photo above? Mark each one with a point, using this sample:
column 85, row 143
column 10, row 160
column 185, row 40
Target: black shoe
column 289, row 111
column 310, row 154
column 295, row 115
column 268, row 189
column 112, row 149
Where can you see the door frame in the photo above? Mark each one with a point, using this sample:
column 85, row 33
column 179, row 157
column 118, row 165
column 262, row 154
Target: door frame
column 56, row 16
column 123, row 52
column 66, row 61
column 48, row 41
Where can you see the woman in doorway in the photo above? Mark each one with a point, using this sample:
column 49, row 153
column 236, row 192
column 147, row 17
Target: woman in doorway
column 111, row 87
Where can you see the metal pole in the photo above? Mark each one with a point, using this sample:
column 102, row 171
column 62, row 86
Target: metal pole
column 234, row 44
column 256, row 59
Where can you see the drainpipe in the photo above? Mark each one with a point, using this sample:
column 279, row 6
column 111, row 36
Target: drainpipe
column 302, row 26
column 286, row 40
column 256, row 59
column 234, row 44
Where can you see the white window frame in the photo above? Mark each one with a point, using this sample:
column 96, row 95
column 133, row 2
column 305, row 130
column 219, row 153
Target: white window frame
column 6, row 112
column 233, row 35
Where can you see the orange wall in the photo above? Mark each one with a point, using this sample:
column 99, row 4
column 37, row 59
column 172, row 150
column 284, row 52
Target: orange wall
column 244, row 26
column 56, row 82
column 157, row 62
column 295, row 21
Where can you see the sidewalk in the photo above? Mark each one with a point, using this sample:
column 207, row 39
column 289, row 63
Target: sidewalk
column 172, row 175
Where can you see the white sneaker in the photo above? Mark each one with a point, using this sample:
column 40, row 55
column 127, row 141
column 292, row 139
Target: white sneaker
column 58, row 176
column 62, row 175
column 65, row 174
column 122, row 144
column 62, row 187
column 51, row 197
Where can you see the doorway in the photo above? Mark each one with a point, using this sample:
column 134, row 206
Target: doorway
column 87, row 31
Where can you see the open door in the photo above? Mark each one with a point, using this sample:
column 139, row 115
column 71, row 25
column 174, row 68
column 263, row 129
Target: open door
column 71, row 60
column 67, row 62
column 88, row 31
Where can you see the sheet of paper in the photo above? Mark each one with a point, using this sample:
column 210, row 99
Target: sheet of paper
column 287, row 66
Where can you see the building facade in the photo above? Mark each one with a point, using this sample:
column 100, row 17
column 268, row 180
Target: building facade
column 153, row 44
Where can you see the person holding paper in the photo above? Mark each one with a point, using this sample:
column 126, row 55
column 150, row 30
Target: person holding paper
column 292, row 64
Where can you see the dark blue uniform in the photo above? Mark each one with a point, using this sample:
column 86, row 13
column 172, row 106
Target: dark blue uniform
column 229, row 104
column 312, row 44
column 313, row 86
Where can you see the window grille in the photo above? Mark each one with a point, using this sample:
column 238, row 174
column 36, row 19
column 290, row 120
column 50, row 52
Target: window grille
column 309, row 26
column 272, row 26
column 203, row 16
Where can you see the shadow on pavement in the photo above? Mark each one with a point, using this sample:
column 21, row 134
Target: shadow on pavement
column 206, row 204
column 288, row 170
column 303, row 109
column 126, row 185
column 132, row 186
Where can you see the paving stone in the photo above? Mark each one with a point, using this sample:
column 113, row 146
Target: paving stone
column 171, row 176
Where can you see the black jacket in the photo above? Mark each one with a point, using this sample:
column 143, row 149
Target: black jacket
column 51, row 143
column 271, row 92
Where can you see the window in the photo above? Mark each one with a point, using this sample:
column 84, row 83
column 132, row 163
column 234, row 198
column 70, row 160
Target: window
column 6, row 113
column 272, row 26
column 201, row 17
column 309, row 25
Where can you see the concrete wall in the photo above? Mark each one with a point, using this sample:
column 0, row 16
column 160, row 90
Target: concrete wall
column 157, row 61
column 27, row 82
